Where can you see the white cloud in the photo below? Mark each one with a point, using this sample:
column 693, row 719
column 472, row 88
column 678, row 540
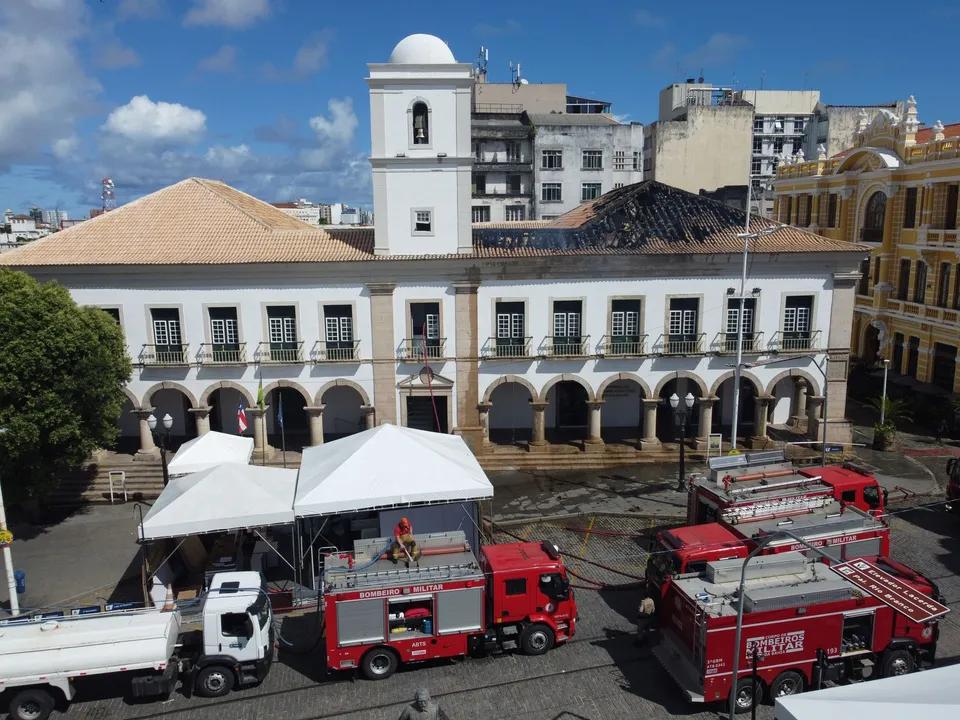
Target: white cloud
column 45, row 89
column 142, row 120
column 138, row 9
column 341, row 125
column 720, row 49
column 311, row 57
column 224, row 60
column 509, row 27
column 66, row 147
column 645, row 18
column 625, row 117
column 115, row 55
column 229, row 158
column 235, row 14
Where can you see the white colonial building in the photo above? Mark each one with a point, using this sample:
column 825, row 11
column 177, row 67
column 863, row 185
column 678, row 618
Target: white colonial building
column 527, row 333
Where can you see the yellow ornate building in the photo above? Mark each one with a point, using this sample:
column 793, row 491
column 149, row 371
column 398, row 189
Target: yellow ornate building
column 896, row 190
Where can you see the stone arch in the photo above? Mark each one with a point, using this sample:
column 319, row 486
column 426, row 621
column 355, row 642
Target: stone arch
column 288, row 384
column 676, row 375
column 874, row 159
column 167, row 385
column 566, row 377
column 224, row 384
column 342, row 382
column 624, row 376
column 715, row 388
column 131, row 397
column 503, row 379
column 794, row 372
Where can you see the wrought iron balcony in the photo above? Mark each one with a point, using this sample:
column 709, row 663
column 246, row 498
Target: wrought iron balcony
column 567, row 346
column 222, row 354
column 623, row 346
column 338, row 352
column 416, row 349
column 280, row 353
column 797, row 342
column 726, row 344
column 682, row 344
column 506, row 348
column 164, row 355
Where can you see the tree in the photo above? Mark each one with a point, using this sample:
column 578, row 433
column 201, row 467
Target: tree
column 62, row 372
column 894, row 411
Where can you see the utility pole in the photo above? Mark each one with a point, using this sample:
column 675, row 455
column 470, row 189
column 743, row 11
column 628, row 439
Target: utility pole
column 8, row 556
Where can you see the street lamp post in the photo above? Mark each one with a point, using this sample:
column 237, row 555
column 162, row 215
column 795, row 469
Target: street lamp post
column 883, row 397
column 682, row 412
column 164, row 435
column 778, row 535
column 8, row 557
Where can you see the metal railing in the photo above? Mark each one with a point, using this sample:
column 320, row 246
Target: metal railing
column 418, row 349
column 498, row 108
column 570, row 346
column 222, row 354
column 506, row 348
column 267, row 354
column 623, row 346
column 322, row 352
column 164, row 355
column 797, row 342
column 683, row 344
column 726, row 343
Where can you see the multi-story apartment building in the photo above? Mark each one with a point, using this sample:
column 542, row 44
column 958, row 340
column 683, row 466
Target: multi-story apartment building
column 896, row 190
column 302, row 210
column 575, row 331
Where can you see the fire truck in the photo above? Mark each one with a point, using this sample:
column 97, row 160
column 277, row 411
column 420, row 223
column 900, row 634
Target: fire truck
column 810, row 623
column 449, row 603
column 761, row 483
column 843, row 532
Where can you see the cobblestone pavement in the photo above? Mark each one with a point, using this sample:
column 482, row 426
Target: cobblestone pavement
column 599, row 675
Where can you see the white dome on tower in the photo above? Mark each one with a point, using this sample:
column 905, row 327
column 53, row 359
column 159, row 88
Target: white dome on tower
column 421, row 49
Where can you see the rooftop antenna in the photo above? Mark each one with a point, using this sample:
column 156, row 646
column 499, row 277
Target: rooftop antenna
column 515, row 77
column 700, row 79
column 107, row 196
column 763, row 74
column 482, row 58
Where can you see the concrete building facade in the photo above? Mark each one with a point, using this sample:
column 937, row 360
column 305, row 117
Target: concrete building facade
column 896, row 190
column 566, row 336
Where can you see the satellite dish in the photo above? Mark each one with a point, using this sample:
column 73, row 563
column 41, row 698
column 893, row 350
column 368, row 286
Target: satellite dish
column 524, row 81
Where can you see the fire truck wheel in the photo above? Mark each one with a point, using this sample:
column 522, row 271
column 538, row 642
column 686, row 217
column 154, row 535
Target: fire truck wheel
column 379, row 664
column 536, row 639
column 214, row 681
column 897, row 662
column 33, row 704
column 787, row 683
column 748, row 695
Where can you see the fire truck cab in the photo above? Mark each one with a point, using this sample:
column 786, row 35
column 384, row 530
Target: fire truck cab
column 808, row 622
column 449, row 603
column 736, row 483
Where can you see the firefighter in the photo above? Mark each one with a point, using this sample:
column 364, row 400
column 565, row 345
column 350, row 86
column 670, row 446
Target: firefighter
column 422, row 708
column 403, row 539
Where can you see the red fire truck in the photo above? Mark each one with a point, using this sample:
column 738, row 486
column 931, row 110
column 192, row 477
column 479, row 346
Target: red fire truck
column 449, row 603
column 756, row 484
column 810, row 624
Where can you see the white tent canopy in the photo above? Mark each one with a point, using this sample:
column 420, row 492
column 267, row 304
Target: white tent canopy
column 209, row 450
column 226, row 497
column 928, row 695
column 386, row 467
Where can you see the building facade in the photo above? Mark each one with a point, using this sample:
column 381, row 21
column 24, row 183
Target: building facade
column 566, row 334
column 895, row 190
column 303, row 210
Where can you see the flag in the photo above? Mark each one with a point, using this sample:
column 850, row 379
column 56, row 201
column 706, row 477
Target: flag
column 242, row 418
column 260, row 394
column 280, row 410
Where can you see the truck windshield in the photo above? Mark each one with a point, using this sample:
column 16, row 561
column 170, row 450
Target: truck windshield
column 261, row 609
column 665, row 563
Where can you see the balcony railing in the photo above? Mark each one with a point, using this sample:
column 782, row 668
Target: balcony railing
column 796, row 342
column 623, row 346
column 164, row 355
column 506, row 348
column 416, row 349
column 226, row 354
column 726, row 343
column 289, row 354
column 324, row 352
column 683, row 344
column 575, row 346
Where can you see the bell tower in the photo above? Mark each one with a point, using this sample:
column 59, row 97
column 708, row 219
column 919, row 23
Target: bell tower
column 420, row 149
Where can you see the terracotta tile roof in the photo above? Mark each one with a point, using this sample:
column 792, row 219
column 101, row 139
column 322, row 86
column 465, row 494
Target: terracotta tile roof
column 653, row 219
column 21, row 217
column 194, row 222
column 203, row 222
column 925, row 134
column 285, row 205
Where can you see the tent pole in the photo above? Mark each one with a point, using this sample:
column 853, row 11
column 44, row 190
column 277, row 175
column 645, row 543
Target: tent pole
column 273, row 549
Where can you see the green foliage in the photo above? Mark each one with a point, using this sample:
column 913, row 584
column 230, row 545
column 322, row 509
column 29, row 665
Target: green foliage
column 895, row 410
column 62, row 372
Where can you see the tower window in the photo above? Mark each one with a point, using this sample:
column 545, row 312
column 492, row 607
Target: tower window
column 423, row 222
column 421, row 129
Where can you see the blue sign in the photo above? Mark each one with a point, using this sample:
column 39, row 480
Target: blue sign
column 119, row 606
column 89, row 610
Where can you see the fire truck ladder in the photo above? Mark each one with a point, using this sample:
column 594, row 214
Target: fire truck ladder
column 699, row 635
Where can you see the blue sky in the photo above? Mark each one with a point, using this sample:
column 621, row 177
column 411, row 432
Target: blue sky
column 269, row 96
